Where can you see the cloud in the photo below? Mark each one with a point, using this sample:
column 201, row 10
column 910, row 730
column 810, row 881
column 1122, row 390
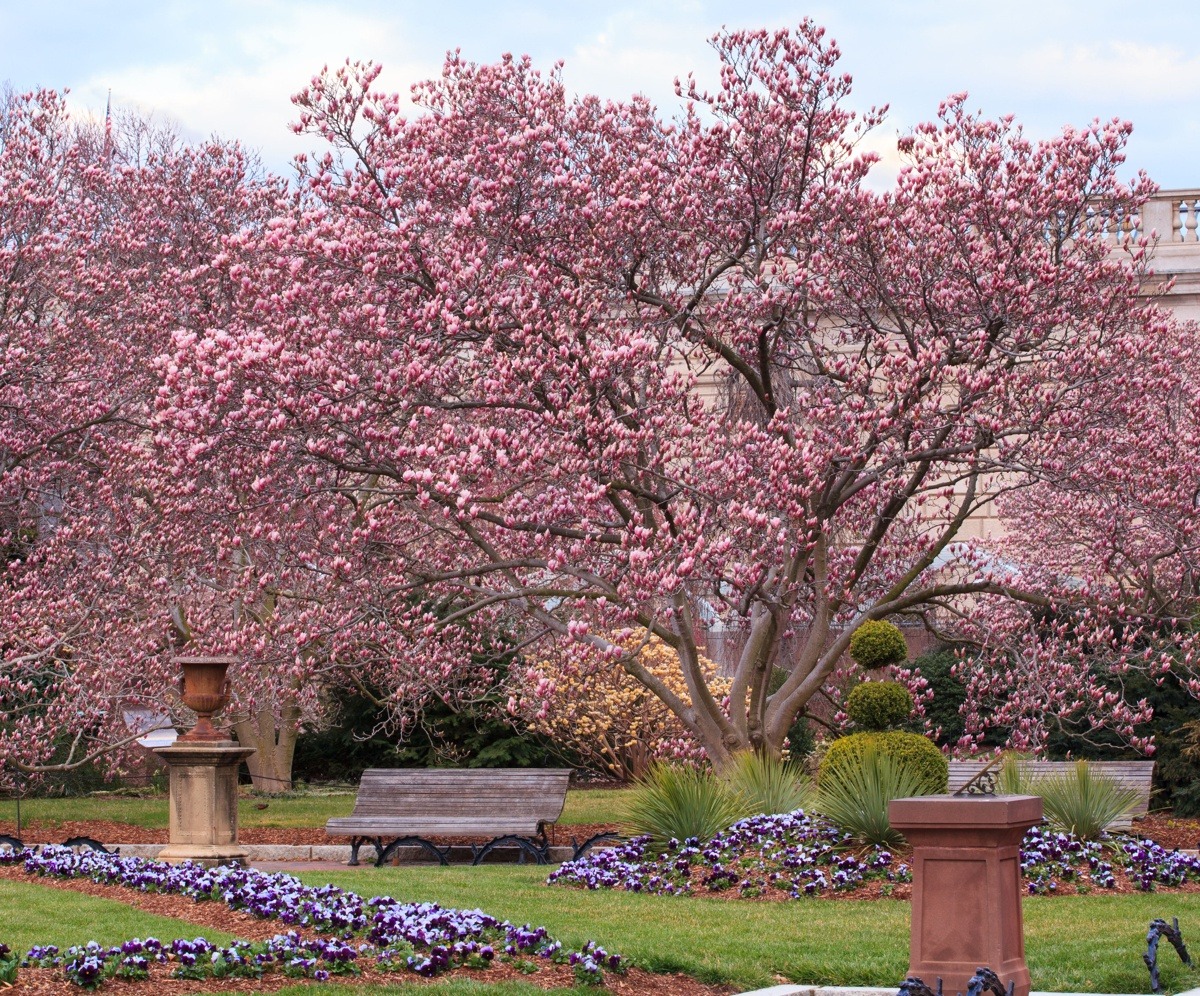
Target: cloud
column 237, row 79
column 1110, row 71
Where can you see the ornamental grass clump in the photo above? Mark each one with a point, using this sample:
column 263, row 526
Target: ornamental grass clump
column 1083, row 802
column 769, row 785
column 680, row 801
column 855, row 794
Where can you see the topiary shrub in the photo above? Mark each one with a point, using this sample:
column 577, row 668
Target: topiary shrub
column 879, row 705
column 877, row 644
column 909, row 750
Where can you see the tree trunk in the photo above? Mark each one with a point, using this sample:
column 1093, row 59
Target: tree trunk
column 274, row 746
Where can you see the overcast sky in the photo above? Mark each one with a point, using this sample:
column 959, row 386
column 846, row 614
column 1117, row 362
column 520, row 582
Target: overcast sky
column 229, row 66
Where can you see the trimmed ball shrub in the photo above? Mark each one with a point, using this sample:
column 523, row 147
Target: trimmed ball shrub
column 879, row 705
column 877, row 644
column 909, row 750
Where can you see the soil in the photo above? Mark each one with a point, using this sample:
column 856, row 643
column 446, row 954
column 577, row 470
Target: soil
column 109, row 832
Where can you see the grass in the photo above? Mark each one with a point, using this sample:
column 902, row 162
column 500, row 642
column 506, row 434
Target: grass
column 38, row 914
column 298, row 810
column 1073, row 943
column 746, row 943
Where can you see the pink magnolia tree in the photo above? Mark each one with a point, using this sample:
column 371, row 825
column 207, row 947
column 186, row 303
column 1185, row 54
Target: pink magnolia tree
column 566, row 369
column 113, row 562
column 1113, row 538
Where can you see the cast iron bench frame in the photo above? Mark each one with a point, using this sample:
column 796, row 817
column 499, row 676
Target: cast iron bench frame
column 513, row 806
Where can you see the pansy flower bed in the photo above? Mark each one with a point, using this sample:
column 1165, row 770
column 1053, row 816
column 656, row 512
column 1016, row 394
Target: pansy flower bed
column 791, row 854
column 795, row 856
column 389, row 935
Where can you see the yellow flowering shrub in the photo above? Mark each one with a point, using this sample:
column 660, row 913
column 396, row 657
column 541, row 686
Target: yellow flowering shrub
column 595, row 709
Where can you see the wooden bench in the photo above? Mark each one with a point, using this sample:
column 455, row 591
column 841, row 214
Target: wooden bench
column 512, row 806
column 1136, row 775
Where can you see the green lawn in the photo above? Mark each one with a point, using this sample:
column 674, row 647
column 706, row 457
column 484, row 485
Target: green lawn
column 1073, row 944
column 1079, row 943
column 37, row 914
column 300, row 810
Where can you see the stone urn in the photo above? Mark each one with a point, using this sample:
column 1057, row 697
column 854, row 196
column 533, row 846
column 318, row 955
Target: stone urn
column 205, row 692
column 204, row 768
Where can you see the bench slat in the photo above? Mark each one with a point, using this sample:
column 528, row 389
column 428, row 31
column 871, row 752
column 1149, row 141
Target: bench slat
column 483, row 802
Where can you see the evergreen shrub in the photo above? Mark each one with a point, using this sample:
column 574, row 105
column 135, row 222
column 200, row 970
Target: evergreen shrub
column 908, row 750
column 879, row 705
column 877, row 644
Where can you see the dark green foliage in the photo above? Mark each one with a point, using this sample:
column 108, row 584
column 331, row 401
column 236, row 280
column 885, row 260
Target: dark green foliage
column 481, row 737
column 343, row 752
column 909, row 750
column 1176, row 773
column 877, row 643
column 879, row 705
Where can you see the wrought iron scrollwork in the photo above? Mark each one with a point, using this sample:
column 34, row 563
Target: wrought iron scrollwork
column 1158, row 930
column 985, row 980
column 985, row 782
column 912, row 986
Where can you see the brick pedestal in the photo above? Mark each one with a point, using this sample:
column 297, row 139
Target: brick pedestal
column 966, row 885
column 204, row 817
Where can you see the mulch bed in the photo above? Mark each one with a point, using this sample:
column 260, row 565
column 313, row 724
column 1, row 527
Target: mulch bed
column 50, row 982
column 110, row 832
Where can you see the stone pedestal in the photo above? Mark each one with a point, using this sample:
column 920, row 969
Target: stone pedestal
column 966, row 885
column 204, row 816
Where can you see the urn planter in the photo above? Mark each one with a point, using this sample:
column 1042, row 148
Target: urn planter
column 204, row 766
column 205, row 692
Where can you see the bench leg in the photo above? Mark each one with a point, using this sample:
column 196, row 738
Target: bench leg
column 442, row 854
column 526, row 846
column 357, row 842
column 579, row 850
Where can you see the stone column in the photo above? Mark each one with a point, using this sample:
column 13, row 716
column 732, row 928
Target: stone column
column 204, row 816
column 966, row 868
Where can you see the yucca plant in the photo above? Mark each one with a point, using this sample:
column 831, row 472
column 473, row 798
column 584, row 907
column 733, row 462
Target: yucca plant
column 855, row 796
column 1083, row 802
column 677, row 801
column 769, row 785
column 1011, row 779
